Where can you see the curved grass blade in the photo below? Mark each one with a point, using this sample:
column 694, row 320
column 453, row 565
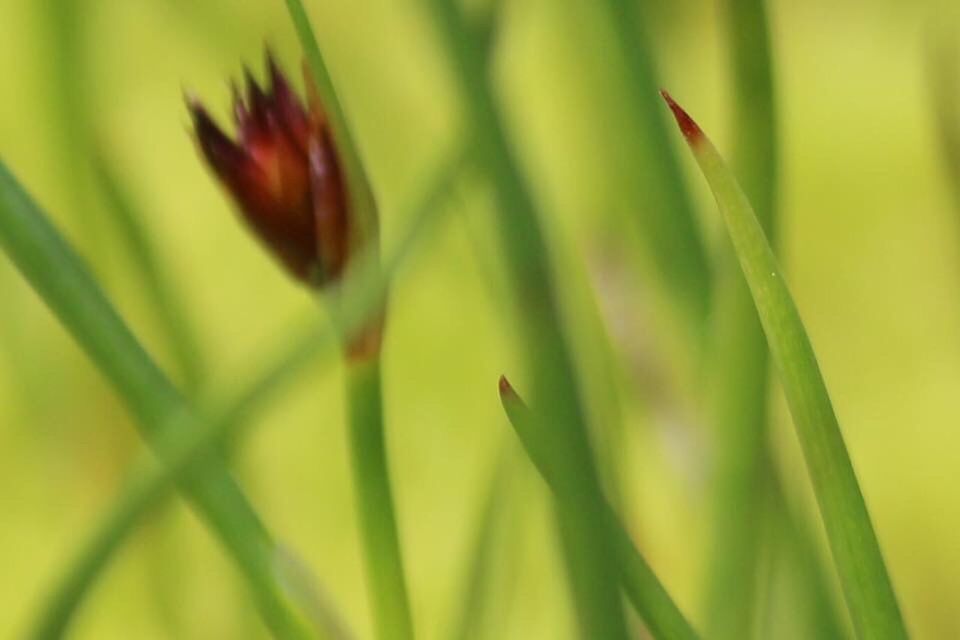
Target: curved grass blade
column 644, row 590
column 738, row 403
column 61, row 279
column 150, row 483
column 591, row 566
column 856, row 551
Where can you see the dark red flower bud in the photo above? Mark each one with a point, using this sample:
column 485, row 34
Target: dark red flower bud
column 283, row 173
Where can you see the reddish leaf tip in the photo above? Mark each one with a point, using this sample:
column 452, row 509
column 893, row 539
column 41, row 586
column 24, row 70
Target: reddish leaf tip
column 690, row 129
column 506, row 390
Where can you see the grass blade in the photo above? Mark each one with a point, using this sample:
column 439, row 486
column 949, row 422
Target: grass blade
column 665, row 210
column 62, row 280
column 853, row 542
column 151, row 482
column 739, row 399
column 591, row 570
column 644, row 590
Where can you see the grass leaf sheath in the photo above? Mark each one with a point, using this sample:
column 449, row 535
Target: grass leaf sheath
column 853, row 542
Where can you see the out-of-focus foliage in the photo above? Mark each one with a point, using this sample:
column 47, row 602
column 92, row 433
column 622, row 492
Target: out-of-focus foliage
column 863, row 196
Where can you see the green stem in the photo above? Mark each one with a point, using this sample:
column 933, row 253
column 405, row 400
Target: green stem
column 739, row 402
column 378, row 526
column 590, row 564
column 856, row 551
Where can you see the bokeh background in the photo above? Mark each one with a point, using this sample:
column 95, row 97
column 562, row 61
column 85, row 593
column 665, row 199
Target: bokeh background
column 870, row 243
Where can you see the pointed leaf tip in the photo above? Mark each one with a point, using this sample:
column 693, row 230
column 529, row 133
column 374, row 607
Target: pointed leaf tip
column 506, row 390
column 690, row 129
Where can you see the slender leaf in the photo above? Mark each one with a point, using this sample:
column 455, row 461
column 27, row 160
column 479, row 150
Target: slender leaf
column 739, row 402
column 644, row 590
column 856, row 551
column 591, row 570
column 664, row 208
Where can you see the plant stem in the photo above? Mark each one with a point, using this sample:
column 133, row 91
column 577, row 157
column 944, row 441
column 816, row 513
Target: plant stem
column 739, row 402
column 378, row 526
column 591, row 570
column 856, row 551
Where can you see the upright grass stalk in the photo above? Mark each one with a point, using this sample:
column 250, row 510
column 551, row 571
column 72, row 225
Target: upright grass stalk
column 382, row 554
column 378, row 525
column 739, row 399
column 61, row 279
column 664, row 210
column 150, row 483
column 584, row 536
column 642, row 587
column 856, row 551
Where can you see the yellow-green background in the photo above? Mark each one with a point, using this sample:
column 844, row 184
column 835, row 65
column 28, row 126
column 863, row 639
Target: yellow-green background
column 871, row 245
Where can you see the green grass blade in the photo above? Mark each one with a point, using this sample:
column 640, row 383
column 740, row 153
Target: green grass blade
column 151, row 483
column 642, row 587
column 168, row 307
column 856, row 551
column 591, row 570
column 739, row 399
column 665, row 210
column 62, row 280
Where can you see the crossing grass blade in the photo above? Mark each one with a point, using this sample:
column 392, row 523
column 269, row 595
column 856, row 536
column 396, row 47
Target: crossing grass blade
column 60, row 277
column 856, row 552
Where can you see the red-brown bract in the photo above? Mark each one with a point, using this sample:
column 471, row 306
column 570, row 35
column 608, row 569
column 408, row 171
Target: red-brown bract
column 283, row 173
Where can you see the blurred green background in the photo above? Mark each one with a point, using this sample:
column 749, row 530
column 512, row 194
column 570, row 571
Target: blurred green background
column 870, row 242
